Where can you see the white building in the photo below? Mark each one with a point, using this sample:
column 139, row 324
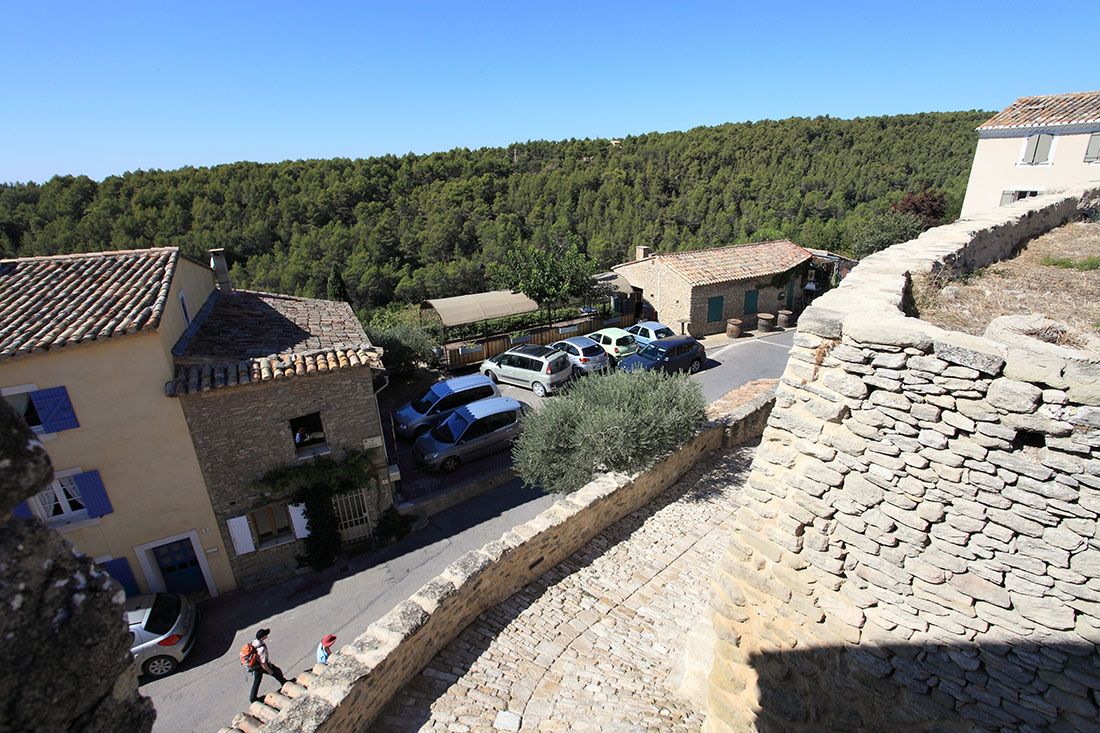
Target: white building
column 1037, row 144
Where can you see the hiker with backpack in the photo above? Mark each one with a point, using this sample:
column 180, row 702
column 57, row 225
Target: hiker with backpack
column 254, row 658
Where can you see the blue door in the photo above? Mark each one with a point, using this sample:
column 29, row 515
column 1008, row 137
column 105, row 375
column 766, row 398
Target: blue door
column 180, row 567
column 751, row 297
column 790, row 294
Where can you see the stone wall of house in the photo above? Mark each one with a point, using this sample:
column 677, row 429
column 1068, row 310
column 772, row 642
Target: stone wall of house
column 363, row 676
column 918, row 546
column 242, row 432
column 65, row 659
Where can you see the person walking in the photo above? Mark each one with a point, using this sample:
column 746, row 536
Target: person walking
column 263, row 665
column 324, row 649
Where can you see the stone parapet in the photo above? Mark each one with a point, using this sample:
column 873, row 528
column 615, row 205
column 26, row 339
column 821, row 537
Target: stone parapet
column 364, row 675
column 918, row 543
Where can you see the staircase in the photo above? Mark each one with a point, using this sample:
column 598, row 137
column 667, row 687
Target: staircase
column 260, row 713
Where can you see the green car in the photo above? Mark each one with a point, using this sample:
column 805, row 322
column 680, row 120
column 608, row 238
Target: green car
column 616, row 342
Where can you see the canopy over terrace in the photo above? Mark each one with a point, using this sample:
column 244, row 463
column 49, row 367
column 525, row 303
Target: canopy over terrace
column 462, row 309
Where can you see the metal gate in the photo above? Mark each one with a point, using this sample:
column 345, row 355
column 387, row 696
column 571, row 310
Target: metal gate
column 353, row 513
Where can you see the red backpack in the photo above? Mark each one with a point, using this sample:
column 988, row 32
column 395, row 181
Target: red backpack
column 249, row 657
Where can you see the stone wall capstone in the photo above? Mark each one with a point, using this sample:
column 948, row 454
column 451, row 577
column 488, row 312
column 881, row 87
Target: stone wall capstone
column 918, row 546
column 65, row 659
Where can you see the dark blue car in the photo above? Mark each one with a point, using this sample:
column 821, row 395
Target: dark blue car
column 670, row 354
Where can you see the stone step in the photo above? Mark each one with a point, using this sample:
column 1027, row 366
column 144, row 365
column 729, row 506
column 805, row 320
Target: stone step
column 292, row 689
column 247, row 724
column 318, row 669
column 305, row 679
column 263, row 711
column 277, row 700
column 229, row 730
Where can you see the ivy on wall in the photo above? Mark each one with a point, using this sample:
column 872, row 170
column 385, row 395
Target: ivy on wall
column 314, row 483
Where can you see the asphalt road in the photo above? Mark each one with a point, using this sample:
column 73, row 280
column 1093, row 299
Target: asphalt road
column 211, row 687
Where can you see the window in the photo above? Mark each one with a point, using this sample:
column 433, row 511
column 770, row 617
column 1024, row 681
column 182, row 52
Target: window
column 186, row 313
column 271, row 524
column 751, row 298
column 1037, row 149
column 715, row 307
column 478, row 429
column 1009, row 197
column 1092, row 152
column 309, row 435
column 72, row 497
column 44, row 410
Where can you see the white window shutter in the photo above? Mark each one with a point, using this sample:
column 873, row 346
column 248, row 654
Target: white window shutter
column 1042, row 148
column 241, row 534
column 298, row 520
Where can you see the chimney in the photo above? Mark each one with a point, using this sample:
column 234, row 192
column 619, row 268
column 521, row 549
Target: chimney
column 642, row 251
column 221, row 271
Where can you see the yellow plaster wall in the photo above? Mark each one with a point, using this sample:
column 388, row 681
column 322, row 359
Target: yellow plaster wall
column 196, row 282
column 137, row 439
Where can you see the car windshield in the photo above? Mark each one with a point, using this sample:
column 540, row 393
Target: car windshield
column 654, row 352
column 424, row 403
column 450, row 430
column 663, row 332
column 593, row 350
column 162, row 617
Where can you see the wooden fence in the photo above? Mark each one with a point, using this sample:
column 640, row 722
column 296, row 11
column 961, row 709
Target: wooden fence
column 458, row 354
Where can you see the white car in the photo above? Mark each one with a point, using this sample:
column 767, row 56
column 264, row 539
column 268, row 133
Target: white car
column 163, row 630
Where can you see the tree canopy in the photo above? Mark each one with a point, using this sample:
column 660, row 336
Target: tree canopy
column 405, row 228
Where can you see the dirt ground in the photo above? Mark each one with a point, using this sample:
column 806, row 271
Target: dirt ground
column 1029, row 283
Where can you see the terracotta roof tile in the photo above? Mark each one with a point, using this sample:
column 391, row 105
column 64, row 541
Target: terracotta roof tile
column 733, row 263
column 1047, row 111
column 51, row 302
column 243, row 337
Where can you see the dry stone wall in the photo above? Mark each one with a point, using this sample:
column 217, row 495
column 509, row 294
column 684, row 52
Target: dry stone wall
column 918, row 546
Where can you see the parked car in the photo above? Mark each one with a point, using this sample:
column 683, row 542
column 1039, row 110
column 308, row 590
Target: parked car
column 616, row 343
column 539, row 368
column 441, row 399
column 470, row 432
column 647, row 331
column 584, row 354
column 163, row 629
column 670, row 354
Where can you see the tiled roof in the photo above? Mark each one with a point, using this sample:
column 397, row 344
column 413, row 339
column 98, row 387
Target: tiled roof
column 733, row 263
column 51, row 302
column 242, row 337
column 203, row 377
column 1046, row 111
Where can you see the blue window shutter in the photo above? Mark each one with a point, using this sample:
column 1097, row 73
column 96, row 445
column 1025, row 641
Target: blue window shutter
column 93, row 494
column 22, row 510
column 119, row 569
column 54, row 409
column 751, row 297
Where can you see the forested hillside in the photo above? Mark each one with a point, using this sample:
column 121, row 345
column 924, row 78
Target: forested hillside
column 405, row 228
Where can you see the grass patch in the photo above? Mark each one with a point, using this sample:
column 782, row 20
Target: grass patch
column 1068, row 263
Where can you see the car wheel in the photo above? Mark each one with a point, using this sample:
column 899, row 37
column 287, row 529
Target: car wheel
column 492, row 376
column 450, row 464
column 160, row 666
column 538, row 389
column 695, row 366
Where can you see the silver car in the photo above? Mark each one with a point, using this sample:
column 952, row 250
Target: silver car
column 538, row 368
column 163, row 630
column 584, row 354
column 472, row 431
column 441, row 399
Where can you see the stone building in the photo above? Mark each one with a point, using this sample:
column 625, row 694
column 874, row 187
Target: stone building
column 267, row 381
column 85, row 349
column 1035, row 145
column 701, row 289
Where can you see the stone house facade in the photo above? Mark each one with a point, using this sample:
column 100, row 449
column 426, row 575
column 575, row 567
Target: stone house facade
column 267, row 381
column 701, row 289
column 1036, row 145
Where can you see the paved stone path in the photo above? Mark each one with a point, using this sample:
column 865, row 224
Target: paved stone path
column 597, row 643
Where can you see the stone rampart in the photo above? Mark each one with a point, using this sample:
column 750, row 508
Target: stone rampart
column 365, row 674
column 918, row 546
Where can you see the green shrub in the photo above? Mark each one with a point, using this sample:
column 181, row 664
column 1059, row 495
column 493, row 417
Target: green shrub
column 405, row 342
column 393, row 525
column 617, row 422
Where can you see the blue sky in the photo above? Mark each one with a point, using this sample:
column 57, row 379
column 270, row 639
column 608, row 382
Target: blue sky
column 105, row 87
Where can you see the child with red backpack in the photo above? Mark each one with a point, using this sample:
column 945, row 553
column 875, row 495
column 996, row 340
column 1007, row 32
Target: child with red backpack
column 254, row 658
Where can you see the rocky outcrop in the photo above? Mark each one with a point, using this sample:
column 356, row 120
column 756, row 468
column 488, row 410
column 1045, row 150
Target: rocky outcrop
column 65, row 658
column 918, row 546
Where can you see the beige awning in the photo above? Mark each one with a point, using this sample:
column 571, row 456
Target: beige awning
column 480, row 306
